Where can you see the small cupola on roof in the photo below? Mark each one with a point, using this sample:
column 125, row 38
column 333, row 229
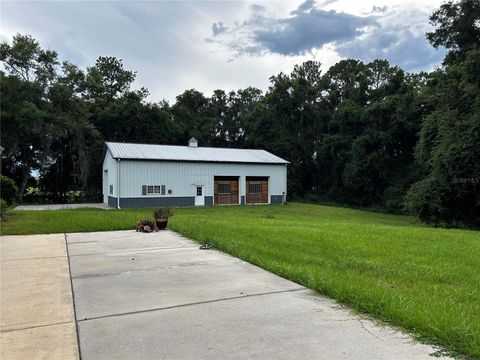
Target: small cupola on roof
column 193, row 142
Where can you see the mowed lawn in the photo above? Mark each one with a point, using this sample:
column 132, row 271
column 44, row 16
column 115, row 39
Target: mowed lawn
column 426, row 280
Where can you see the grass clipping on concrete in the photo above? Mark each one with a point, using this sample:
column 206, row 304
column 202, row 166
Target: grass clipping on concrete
column 426, row 280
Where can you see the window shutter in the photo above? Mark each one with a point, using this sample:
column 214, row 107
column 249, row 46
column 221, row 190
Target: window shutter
column 144, row 189
column 163, row 189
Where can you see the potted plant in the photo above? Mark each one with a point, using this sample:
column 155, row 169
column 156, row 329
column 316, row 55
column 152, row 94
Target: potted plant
column 161, row 216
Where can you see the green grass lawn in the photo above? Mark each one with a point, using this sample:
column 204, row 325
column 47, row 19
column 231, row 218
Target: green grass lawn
column 426, row 280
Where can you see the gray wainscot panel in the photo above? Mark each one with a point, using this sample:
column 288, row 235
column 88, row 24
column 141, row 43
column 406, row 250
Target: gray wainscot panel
column 208, row 200
column 276, row 199
column 139, row 202
column 112, row 202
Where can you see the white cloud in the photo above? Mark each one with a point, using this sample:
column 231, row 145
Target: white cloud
column 165, row 41
column 394, row 32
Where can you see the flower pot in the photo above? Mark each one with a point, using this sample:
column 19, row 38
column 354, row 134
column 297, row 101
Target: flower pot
column 161, row 223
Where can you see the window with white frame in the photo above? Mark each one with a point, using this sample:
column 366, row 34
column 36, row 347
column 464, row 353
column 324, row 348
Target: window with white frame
column 153, row 190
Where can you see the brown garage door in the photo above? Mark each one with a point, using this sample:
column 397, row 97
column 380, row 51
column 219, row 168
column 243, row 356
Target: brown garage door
column 257, row 190
column 225, row 190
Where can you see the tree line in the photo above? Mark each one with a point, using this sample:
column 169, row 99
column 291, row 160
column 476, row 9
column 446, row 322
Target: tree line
column 359, row 134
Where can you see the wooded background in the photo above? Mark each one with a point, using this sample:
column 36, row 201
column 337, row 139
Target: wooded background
column 360, row 134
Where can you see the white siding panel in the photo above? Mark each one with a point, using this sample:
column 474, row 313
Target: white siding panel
column 110, row 164
column 181, row 177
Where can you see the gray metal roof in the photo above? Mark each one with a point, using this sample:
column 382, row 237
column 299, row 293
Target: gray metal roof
column 188, row 153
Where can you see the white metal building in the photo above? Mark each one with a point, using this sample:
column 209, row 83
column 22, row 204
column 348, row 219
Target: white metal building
column 144, row 175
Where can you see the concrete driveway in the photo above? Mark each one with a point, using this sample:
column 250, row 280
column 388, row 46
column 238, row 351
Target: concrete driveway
column 36, row 306
column 62, row 206
column 157, row 296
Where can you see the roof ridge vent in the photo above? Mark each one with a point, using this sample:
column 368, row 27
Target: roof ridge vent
column 193, row 142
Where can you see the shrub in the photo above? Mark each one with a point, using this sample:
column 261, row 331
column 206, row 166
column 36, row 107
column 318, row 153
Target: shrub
column 8, row 189
column 3, row 208
column 33, row 195
column 74, row 196
column 394, row 199
column 162, row 213
column 425, row 200
column 443, row 204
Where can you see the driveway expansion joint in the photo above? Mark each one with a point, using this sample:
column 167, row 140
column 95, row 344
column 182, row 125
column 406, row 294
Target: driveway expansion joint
column 28, row 327
column 159, row 268
column 35, row 258
column 73, row 298
column 191, row 304
column 135, row 251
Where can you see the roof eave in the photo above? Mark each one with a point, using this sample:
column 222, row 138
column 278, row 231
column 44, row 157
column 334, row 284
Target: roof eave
column 204, row 161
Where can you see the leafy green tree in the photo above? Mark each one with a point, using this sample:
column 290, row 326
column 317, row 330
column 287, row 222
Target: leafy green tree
column 230, row 114
column 369, row 141
column 24, row 126
column 25, row 59
column 24, row 120
column 8, row 189
column 130, row 119
column 287, row 120
column 194, row 115
column 456, row 27
column 347, row 79
column 43, row 119
column 447, row 151
column 108, row 79
column 73, row 138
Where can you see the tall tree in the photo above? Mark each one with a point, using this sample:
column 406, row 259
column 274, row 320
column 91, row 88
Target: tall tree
column 73, row 141
column 24, row 119
column 194, row 115
column 449, row 140
column 231, row 111
column 287, row 122
column 367, row 145
column 108, row 79
column 456, row 27
column 25, row 59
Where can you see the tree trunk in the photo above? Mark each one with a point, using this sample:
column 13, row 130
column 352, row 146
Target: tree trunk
column 23, row 184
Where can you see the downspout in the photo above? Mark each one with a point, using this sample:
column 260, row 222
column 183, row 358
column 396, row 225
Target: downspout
column 284, row 200
column 118, row 183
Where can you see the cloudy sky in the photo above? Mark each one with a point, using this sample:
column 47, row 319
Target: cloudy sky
column 207, row 45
